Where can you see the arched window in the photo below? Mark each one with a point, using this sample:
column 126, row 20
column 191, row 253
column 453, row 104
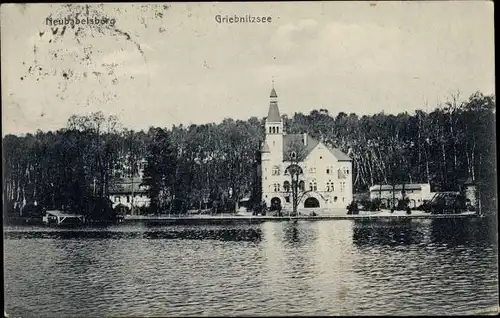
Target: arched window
column 293, row 155
column 286, row 186
column 313, row 186
column 302, row 186
column 335, row 199
column 270, row 130
column 329, row 186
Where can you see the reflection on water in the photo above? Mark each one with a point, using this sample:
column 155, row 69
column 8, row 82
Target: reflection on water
column 396, row 234
column 194, row 233
column 285, row 268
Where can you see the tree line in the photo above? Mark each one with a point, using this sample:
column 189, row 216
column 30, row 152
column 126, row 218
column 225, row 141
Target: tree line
column 200, row 164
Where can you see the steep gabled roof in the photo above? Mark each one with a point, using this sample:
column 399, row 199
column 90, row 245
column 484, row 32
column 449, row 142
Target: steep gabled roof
column 126, row 185
column 288, row 141
column 273, row 116
column 341, row 156
column 311, row 143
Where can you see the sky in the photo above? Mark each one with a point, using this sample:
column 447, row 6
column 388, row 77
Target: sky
column 163, row 65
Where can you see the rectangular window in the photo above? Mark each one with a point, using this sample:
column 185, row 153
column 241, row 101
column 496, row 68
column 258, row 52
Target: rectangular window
column 128, row 199
column 327, row 171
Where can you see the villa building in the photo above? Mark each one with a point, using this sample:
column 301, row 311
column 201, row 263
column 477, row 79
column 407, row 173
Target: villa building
column 326, row 178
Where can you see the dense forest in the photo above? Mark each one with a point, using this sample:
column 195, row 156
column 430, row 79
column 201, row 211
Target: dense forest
column 75, row 165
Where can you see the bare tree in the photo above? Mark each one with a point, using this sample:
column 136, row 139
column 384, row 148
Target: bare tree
column 295, row 152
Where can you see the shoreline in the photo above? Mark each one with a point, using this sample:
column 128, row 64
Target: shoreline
column 229, row 219
column 381, row 216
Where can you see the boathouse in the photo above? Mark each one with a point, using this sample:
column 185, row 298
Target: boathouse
column 390, row 195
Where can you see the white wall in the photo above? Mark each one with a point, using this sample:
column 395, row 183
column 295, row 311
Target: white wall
column 140, row 200
column 416, row 196
column 319, row 159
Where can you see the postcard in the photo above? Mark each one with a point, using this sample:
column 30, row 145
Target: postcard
column 249, row 159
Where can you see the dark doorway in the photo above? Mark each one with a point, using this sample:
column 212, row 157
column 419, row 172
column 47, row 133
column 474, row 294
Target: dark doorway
column 311, row 203
column 275, row 204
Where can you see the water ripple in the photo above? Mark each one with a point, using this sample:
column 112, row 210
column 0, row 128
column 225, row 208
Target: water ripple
column 303, row 268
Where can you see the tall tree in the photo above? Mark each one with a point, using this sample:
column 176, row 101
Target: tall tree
column 160, row 170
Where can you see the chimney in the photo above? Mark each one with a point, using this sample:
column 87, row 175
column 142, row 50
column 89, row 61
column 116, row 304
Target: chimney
column 305, row 139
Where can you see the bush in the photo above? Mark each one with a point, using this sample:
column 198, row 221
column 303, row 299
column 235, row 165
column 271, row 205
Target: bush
column 32, row 211
column 403, row 204
column 353, row 208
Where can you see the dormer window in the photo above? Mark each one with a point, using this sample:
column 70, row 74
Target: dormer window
column 293, row 155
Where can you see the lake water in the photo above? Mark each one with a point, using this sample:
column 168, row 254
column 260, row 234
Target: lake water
column 275, row 268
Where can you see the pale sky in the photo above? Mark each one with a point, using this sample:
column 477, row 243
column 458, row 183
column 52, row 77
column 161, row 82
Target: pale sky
column 181, row 66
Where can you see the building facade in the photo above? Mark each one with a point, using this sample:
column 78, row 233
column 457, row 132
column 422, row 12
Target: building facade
column 128, row 189
column 417, row 193
column 129, row 192
column 326, row 178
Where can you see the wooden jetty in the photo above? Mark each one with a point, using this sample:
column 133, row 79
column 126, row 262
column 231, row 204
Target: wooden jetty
column 60, row 218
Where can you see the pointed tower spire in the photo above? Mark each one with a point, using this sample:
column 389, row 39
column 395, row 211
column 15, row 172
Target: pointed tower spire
column 274, row 114
column 273, row 91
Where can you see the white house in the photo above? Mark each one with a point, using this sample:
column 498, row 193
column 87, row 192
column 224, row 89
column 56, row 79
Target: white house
column 415, row 192
column 129, row 192
column 326, row 181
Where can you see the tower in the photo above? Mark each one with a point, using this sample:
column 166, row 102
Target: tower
column 272, row 151
column 274, row 129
